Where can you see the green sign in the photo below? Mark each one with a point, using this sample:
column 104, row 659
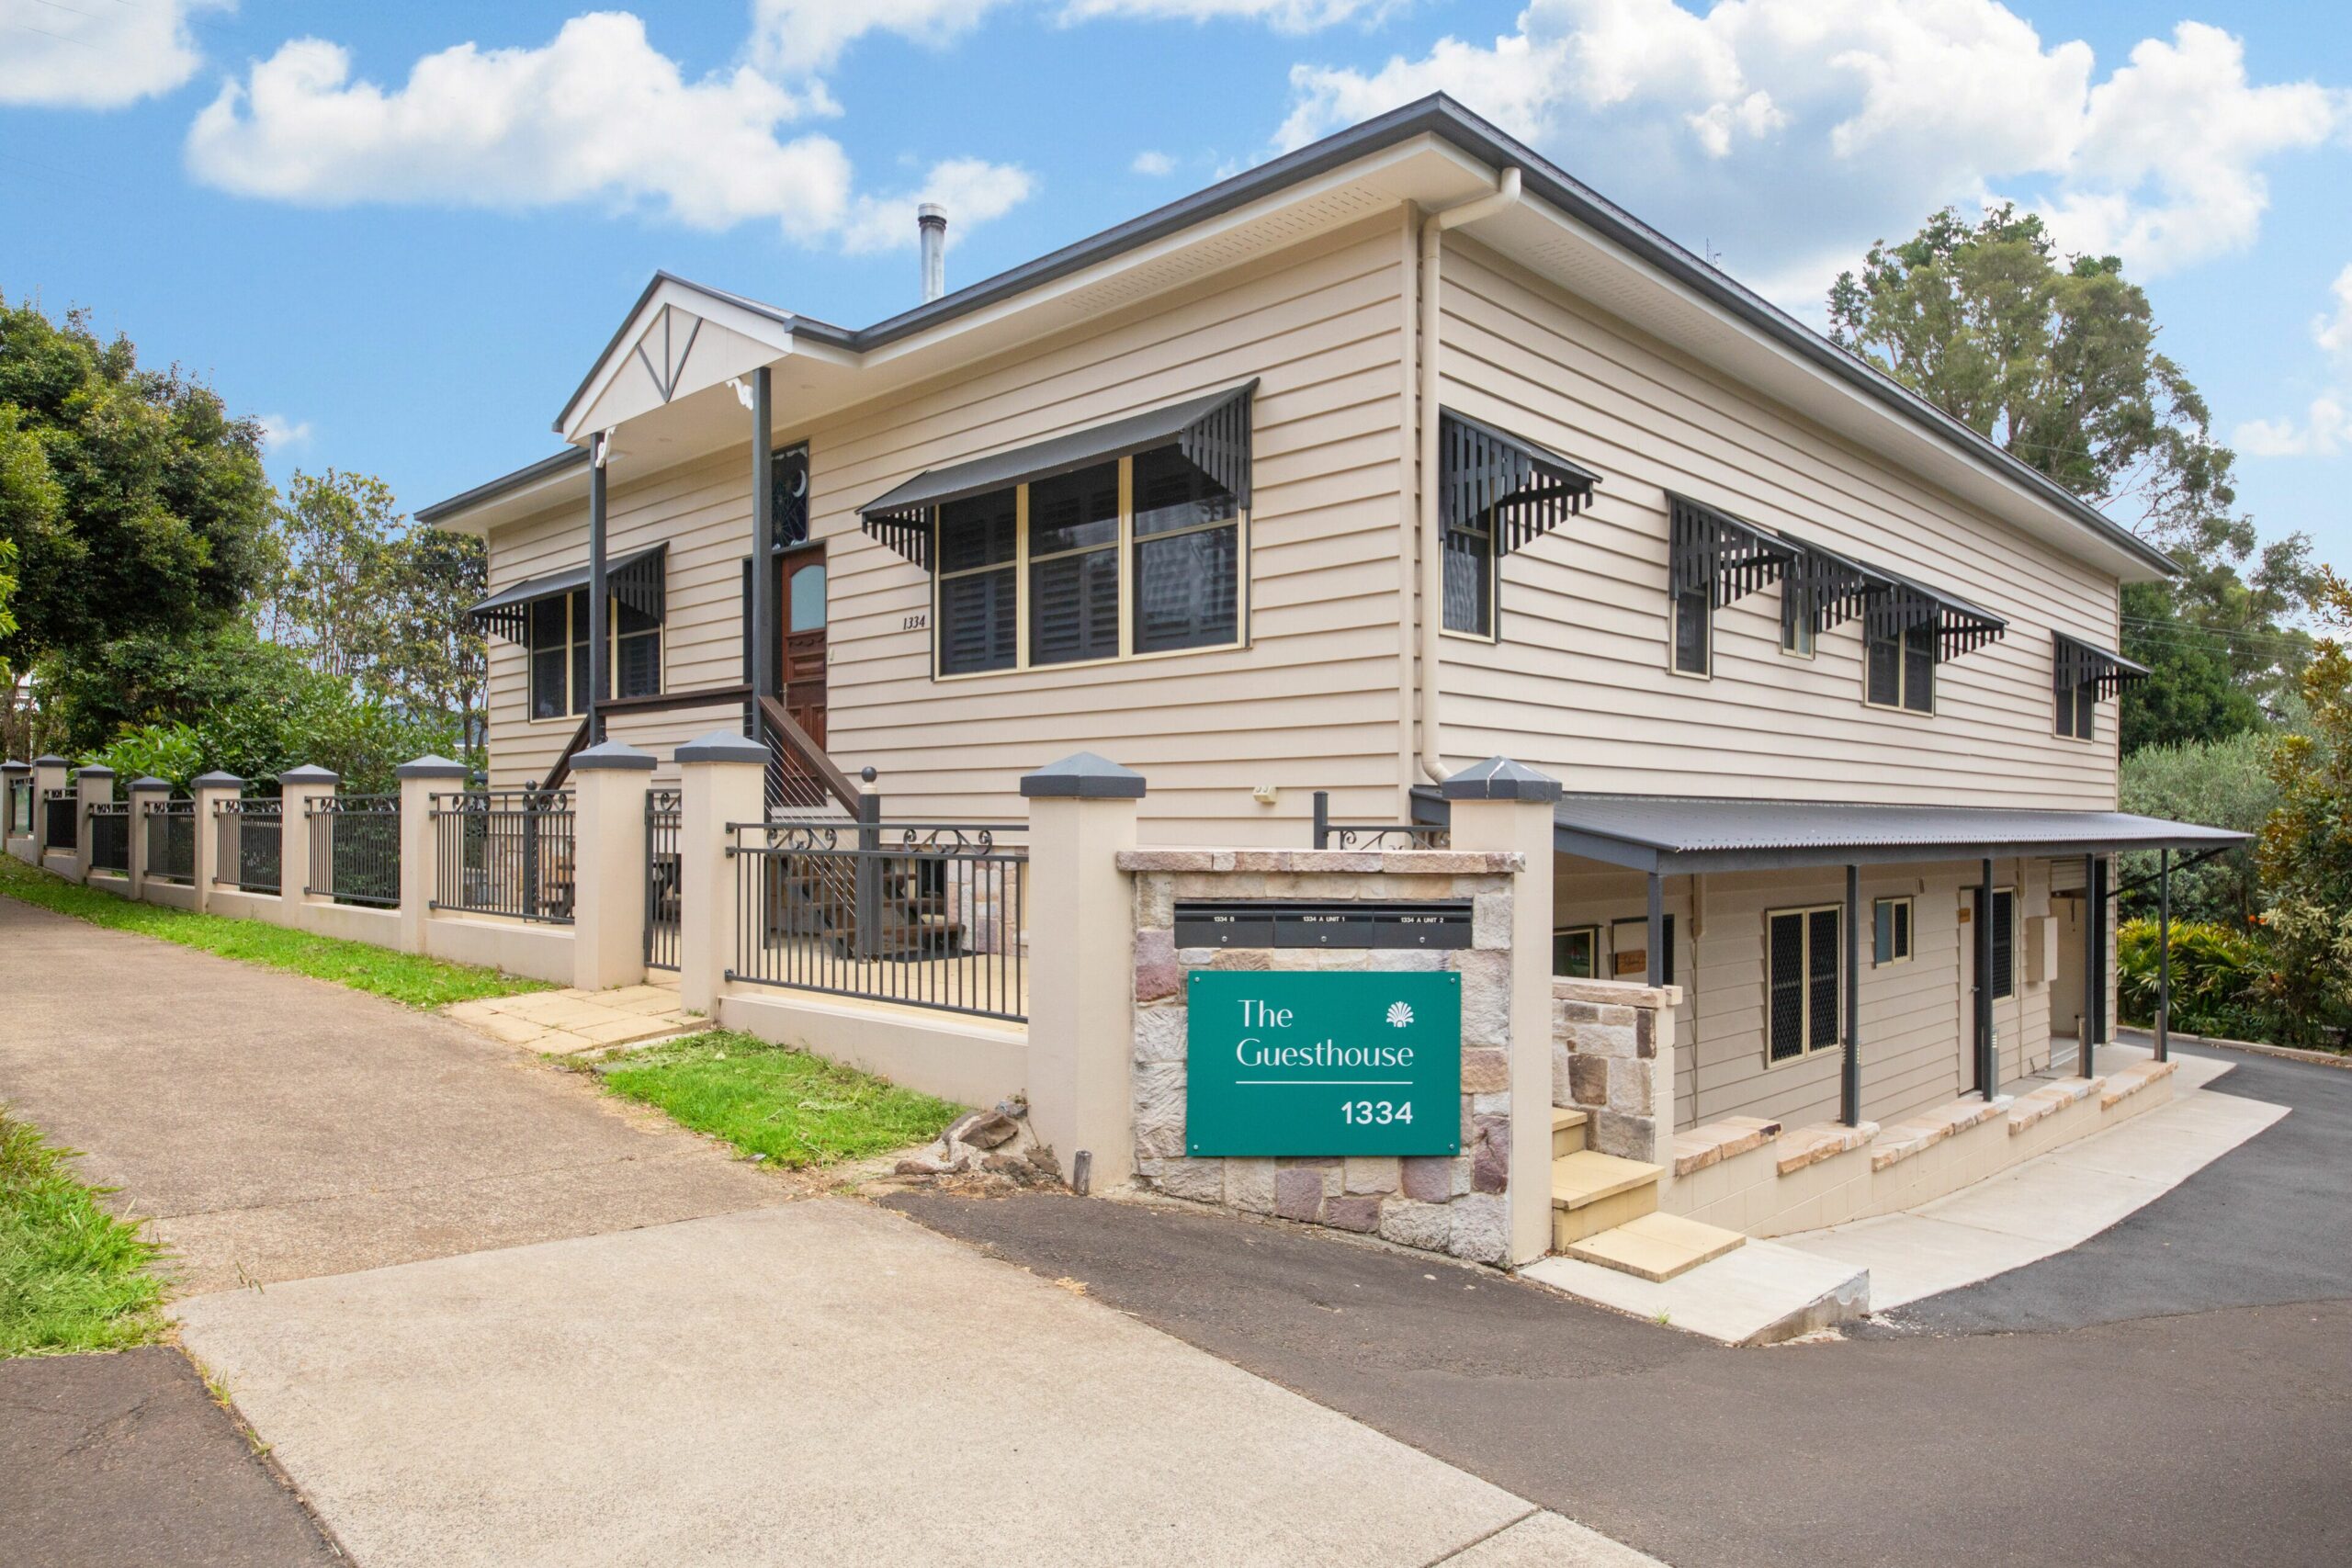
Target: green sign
column 1319, row 1063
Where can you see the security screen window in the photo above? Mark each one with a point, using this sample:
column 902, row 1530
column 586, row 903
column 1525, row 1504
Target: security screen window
column 1470, row 576
column 1802, row 971
column 1694, row 612
column 979, row 621
column 1074, row 566
column 2005, row 967
column 1188, row 554
column 1902, row 668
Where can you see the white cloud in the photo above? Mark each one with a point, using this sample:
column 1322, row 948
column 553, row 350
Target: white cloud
column 806, row 36
column 2326, row 425
column 597, row 114
column 279, row 433
column 971, row 190
column 1793, row 132
column 1156, row 164
column 99, row 54
column 1282, row 16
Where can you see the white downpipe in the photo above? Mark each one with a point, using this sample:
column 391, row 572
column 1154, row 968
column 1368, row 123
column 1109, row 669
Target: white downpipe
column 1433, row 227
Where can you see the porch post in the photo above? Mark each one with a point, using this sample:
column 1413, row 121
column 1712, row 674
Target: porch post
column 1987, row 1070
column 1656, row 976
column 599, row 592
column 2098, row 998
column 2163, row 956
column 1849, row 1071
column 763, row 639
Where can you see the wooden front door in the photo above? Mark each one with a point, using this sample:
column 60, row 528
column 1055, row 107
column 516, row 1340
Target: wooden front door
column 800, row 603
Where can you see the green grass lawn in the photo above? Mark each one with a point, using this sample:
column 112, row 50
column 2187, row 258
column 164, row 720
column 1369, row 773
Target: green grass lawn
column 410, row 978
column 795, row 1109
column 73, row 1277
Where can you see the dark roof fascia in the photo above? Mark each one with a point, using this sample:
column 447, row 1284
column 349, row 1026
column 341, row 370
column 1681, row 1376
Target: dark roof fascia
column 1441, row 117
column 545, row 468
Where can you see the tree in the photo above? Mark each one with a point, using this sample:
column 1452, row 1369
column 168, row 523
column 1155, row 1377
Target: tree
column 2059, row 366
column 2305, row 850
column 2223, row 784
column 146, row 513
column 435, row 659
column 331, row 562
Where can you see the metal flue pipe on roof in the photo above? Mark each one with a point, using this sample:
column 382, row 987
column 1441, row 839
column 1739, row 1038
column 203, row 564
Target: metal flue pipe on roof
column 1426, row 410
column 930, row 226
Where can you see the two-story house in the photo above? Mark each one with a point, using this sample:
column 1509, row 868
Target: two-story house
column 1398, row 452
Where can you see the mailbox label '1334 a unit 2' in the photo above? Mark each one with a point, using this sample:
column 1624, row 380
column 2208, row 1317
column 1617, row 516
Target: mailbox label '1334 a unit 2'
column 1322, row 1063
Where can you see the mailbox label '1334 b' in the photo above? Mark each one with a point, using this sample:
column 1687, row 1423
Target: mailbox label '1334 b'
column 1319, row 1063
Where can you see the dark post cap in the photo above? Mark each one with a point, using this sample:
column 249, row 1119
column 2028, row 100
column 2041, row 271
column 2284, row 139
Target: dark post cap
column 94, row 771
column 612, row 754
column 721, row 746
column 430, row 766
column 1499, row 778
column 48, row 760
column 149, row 784
column 308, row 774
column 217, row 779
column 14, row 766
column 1083, row 777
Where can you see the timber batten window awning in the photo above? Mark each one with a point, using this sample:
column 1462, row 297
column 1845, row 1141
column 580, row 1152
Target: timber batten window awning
column 637, row 580
column 1726, row 555
column 2079, row 664
column 1485, row 473
column 1837, row 588
column 1211, row 433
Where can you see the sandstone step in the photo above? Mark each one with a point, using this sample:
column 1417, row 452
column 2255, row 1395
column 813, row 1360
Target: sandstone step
column 1568, row 1130
column 1592, row 1193
column 1656, row 1247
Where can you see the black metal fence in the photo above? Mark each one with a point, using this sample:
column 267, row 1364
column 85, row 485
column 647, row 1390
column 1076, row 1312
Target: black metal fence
column 21, row 808
column 171, row 841
column 1330, row 835
column 504, row 852
column 661, row 879
column 60, row 819
column 111, row 837
column 927, row 914
column 251, row 839
column 354, row 849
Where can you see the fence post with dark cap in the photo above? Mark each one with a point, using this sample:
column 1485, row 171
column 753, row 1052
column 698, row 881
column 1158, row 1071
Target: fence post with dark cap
column 418, row 782
column 1499, row 804
column 148, row 796
column 207, row 791
column 298, row 790
column 15, row 786
column 1849, row 1070
column 92, row 785
column 1083, row 812
column 721, row 777
column 609, row 781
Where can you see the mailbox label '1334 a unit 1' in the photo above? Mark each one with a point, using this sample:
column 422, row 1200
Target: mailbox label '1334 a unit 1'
column 1320, row 1063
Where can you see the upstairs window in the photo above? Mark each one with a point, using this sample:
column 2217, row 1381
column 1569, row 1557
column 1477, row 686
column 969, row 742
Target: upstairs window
column 1187, row 556
column 1903, row 668
column 560, row 646
column 1693, row 631
column 1495, row 492
column 2080, row 675
column 1796, row 620
column 1713, row 559
column 1803, row 972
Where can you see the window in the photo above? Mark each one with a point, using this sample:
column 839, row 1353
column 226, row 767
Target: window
column 1801, row 974
column 788, row 497
column 1137, row 555
column 559, row 627
column 1576, row 952
column 1497, row 493
column 2004, row 960
column 1693, row 617
column 1629, row 950
column 1796, row 621
column 2078, row 711
column 1890, row 931
column 1470, row 576
column 1902, row 668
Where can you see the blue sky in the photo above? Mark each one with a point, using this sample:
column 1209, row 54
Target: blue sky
column 407, row 275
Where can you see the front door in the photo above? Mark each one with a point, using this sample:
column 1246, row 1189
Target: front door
column 801, row 677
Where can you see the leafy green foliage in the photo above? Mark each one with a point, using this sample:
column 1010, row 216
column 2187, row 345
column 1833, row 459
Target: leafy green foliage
column 795, row 1109
column 2305, row 852
column 2216, row 977
column 2223, row 784
column 407, row 977
column 73, row 1277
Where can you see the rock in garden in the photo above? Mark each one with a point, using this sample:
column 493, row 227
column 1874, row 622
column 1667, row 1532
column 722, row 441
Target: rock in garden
column 988, row 1129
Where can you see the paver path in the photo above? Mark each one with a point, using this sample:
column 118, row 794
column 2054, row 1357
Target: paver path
column 276, row 1127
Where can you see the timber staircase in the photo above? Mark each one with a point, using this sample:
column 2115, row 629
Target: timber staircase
column 1604, row 1210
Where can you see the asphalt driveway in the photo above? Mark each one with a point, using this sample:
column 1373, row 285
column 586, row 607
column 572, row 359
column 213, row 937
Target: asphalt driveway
column 2180, row 1393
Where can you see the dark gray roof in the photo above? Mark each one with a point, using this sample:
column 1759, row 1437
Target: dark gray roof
column 1441, row 117
column 1686, row 833
column 570, row 457
column 1062, row 453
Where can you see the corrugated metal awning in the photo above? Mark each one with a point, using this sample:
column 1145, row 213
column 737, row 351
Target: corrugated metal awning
column 1213, row 432
column 1678, row 834
column 637, row 581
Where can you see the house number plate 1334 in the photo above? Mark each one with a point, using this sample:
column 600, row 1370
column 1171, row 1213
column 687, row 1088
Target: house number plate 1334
column 1322, row 1063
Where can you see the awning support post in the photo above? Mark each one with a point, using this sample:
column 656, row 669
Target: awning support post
column 764, row 638
column 2095, row 888
column 2163, row 956
column 1657, row 930
column 1849, row 1071
column 1987, row 1071
column 599, row 592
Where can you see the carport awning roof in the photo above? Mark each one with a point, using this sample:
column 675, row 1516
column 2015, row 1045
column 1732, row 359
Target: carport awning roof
column 1683, row 833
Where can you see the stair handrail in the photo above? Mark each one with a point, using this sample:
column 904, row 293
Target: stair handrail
column 810, row 756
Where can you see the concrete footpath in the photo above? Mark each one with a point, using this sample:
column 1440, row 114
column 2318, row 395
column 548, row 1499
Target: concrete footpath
column 483, row 1315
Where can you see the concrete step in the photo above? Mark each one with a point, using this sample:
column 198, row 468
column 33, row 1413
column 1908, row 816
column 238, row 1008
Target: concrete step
column 1568, row 1130
column 1592, row 1193
column 1756, row 1294
column 1656, row 1247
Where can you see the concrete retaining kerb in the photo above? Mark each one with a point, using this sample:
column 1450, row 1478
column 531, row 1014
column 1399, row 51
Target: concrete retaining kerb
column 297, row 788
column 1081, row 962
column 721, row 780
column 1502, row 805
column 417, row 780
column 610, row 785
column 207, row 790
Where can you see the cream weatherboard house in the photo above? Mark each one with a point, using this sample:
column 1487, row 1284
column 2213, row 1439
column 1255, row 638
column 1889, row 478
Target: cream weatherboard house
column 1306, row 493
